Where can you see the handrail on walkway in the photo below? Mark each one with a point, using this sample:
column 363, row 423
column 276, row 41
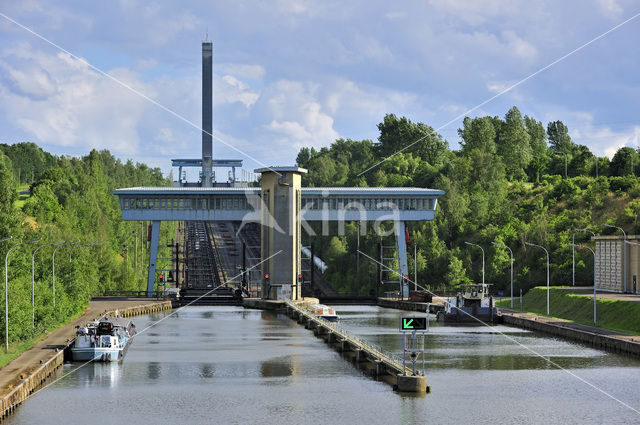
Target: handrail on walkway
column 386, row 357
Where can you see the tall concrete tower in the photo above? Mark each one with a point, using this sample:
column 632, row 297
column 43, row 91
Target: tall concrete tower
column 207, row 112
column 280, row 232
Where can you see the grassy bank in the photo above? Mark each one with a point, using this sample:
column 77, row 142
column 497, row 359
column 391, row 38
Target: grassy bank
column 19, row 347
column 621, row 316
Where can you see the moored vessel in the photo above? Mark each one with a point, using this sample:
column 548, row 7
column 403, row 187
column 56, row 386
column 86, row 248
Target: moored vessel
column 104, row 340
column 472, row 305
column 324, row 312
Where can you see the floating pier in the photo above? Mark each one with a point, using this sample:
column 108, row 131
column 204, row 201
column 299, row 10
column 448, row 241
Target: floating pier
column 382, row 365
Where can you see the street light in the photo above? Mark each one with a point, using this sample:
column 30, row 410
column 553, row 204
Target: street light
column 473, row 244
column 33, row 279
column 625, row 253
column 510, row 252
column 594, row 278
column 53, row 268
column 6, row 291
column 547, row 252
column 573, row 249
column 80, row 246
column 565, row 162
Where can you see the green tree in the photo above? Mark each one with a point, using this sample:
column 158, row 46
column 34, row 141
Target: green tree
column 514, row 144
column 559, row 139
column 538, row 142
column 478, row 133
column 624, row 162
column 401, row 135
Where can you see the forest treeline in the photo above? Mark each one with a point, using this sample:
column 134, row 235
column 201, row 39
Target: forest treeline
column 514, row 180
column 70, row 200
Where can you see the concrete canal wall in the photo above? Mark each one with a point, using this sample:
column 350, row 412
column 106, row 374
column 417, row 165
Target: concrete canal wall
column 595, row 337
column 28, row 384
column 434, row 306
column 37, row 375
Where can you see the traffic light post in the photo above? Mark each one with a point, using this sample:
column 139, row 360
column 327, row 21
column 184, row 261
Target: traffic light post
column 411, row 326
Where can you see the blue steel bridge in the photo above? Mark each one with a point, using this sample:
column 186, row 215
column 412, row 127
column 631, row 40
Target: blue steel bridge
column 281, row 207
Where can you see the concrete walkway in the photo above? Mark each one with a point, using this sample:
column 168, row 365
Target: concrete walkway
column 57, row 339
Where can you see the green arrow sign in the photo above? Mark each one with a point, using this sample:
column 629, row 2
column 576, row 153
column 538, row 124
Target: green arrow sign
column 413, row 323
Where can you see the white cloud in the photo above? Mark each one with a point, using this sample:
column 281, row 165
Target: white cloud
column 394, row 15
column 521, row 48
column 605, row 141
column 610, row 8
column 498, row 87
column 474, row 13
column 251, row 72
column 147, row 63
column 234, row 90
column 71, row 105
column 346, row 97
column 295, row 116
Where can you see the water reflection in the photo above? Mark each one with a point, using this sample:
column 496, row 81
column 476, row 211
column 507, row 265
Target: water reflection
column 207, row 370
column 153, row 370
column 278, row 367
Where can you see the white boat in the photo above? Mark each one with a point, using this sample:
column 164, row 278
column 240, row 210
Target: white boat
column 105, row 340
column 324, row 312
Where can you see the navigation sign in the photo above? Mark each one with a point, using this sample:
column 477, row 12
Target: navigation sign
column 413, row 324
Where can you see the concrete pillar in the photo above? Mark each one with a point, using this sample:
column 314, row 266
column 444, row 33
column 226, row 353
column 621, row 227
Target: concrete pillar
column 153, row 257
column 280, row 231
column 412, row 384
column 207, row 112
column 402, row 256
column 379, row 367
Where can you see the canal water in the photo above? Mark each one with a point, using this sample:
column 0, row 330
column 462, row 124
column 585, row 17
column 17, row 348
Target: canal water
column 228, row 365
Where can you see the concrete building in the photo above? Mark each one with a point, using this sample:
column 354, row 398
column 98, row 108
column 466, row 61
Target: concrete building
column 614, row 256
column 280, row 231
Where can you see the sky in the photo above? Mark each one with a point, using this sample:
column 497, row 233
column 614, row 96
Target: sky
column 296, row 73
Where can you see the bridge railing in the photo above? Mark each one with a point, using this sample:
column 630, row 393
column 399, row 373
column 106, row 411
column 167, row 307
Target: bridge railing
column 376, row 350
column 133, row 294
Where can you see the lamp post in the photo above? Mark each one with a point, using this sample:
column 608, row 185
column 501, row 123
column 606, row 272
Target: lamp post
column 511, row 253
column 474, row 244
column 547, row 252
column 573, row 258
column 624, row 249
column 80, row 246
column 594, row 278
column 53, row 269
column 573, row 247
column 33, row 279
column 6, row 291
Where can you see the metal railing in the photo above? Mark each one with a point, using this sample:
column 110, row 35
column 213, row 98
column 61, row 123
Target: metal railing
column 392, row 359
column 132, row 294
